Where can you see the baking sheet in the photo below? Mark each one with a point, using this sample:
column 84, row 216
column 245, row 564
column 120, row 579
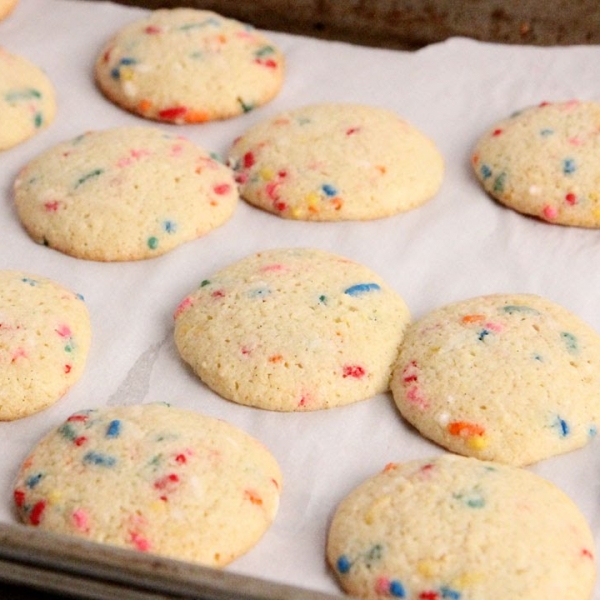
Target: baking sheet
column 460, row 244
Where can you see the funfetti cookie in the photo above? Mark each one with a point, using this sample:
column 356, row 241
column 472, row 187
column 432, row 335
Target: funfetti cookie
column 513, row 378
column 45, row 336
column 120, row 194
column 152, row 478
column 334, row 162
column 292, row 330
column 456, row 528
column 185, row 65
column 542, row 161
column 27, row 99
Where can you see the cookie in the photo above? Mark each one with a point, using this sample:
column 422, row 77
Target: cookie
column 45, row 336
column 126, row 193
column 456, row 528
column 510, row 378
column 27, row 99
column 334, row 162
column 189, row 66
column 152, row 478
column 6, row 7
column 542, row 161
column 292, row 330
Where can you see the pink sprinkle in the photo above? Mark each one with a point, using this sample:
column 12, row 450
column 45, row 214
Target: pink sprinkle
column 176, row 149
column 218, row 294
column 139, row 541
column 52, row 206
column 152, row 29
column 222, row 188
column 271, row 189
column 495, row 327
column 415, row 396
column 575, row 141
column 185, row 303
column 81, row 520
column 275, row 267
column 587, row 553
column 246, row 350
column 352, row 130
column 354, row 371
column 409, row 373
column 550, row 212
column 64, row 331
column 382, row 585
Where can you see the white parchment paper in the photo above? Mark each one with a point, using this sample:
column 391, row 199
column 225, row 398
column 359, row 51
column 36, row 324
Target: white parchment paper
column 460, row 244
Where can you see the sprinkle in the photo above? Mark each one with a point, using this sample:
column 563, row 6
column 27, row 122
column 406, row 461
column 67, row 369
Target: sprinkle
column 397, row 589
column 139, row 541
column 114, row 429
column 562, row 426
column 152, row 30
column 88, row 176
column 328, row 189
column 343, row 564
column 33, row 480
column 81, row 520
column 465, row 429
column 550, row 212
column 546, row 132
column 473, row 318
column 450, row 593
column 18, row 95
column 204, row 283
column 101, row 460
column 172, row 113
column 352, row 130
column 519, row 308
column 52, row 206
column 354, row 371
column 152, row 243
column 361, row 288
column 500, row 182
column 169, row 226
column 37, row 512
column 570, row 342
column 19, row 498
column 569, row 166
column 222, row 188
column 485, row 171
column 482, row 334
column 31, row 282
column 253, row 496
column 497, row 132
column 571, row 199
column 248, row 160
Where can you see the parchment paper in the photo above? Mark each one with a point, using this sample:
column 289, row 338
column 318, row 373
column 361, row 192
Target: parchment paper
column 461, row 244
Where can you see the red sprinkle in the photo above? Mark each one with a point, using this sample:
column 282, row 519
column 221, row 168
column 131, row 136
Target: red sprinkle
column 81, row 418
column 571, row 198
column 270, row 63
column 79, row 441
column 68, row 369
column 52, row 206
column 248, row 160
column 352, row 130
column 152, row 29
column 428, row 596
column 37, row 512
column 497, row 132
column 181, row 459
column 355, row 371
column 19, row 496
column 174, row 112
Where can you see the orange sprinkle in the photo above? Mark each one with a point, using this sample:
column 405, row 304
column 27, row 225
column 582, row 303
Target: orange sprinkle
column 144, row 105
column 196, row 116
column 390, row 467
column 275, row 358
column 473, row 318
column 253, row 497
column 381, row 169
column 465, row 429
column 337, row 203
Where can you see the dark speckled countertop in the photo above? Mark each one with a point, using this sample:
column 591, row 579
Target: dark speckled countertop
column 408, row 24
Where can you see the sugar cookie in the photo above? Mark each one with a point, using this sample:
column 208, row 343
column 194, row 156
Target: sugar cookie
column 333, row 162
column 45, row 336
column 456, row 528
column 27, row 99
column 152, row 478
column 292, row 329
column 185, row 65
column 542, row 161
column 510, row 378
column 127, row 193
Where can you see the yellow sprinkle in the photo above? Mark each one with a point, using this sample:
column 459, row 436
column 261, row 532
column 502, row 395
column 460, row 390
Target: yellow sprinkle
column 54, row 497
column 126, row 73
column 593, row 196
column 296, row 212
column 378, row 505
column 426, row 568
column 266, row 174
column 477, row 442
column 467, row 579
column 596, row 212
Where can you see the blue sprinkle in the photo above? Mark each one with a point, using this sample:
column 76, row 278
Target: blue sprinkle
column 170, row 226
column 328, row 189
column 31, row 282
column 362, row 288
column 569, row 166
column 114, row 429
column 570, row 342
column 538, row 357
column 323, row 299
column 80, row 297
column 482, row 334
column 562, row 426
column 343, row 564
column 115, row 73
column 127, row 61
column 101, row 460
column 592, row 431
column 33, row 480
column 450, row 593
column 397, row 589
column 486, row 172
column 546, row 132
